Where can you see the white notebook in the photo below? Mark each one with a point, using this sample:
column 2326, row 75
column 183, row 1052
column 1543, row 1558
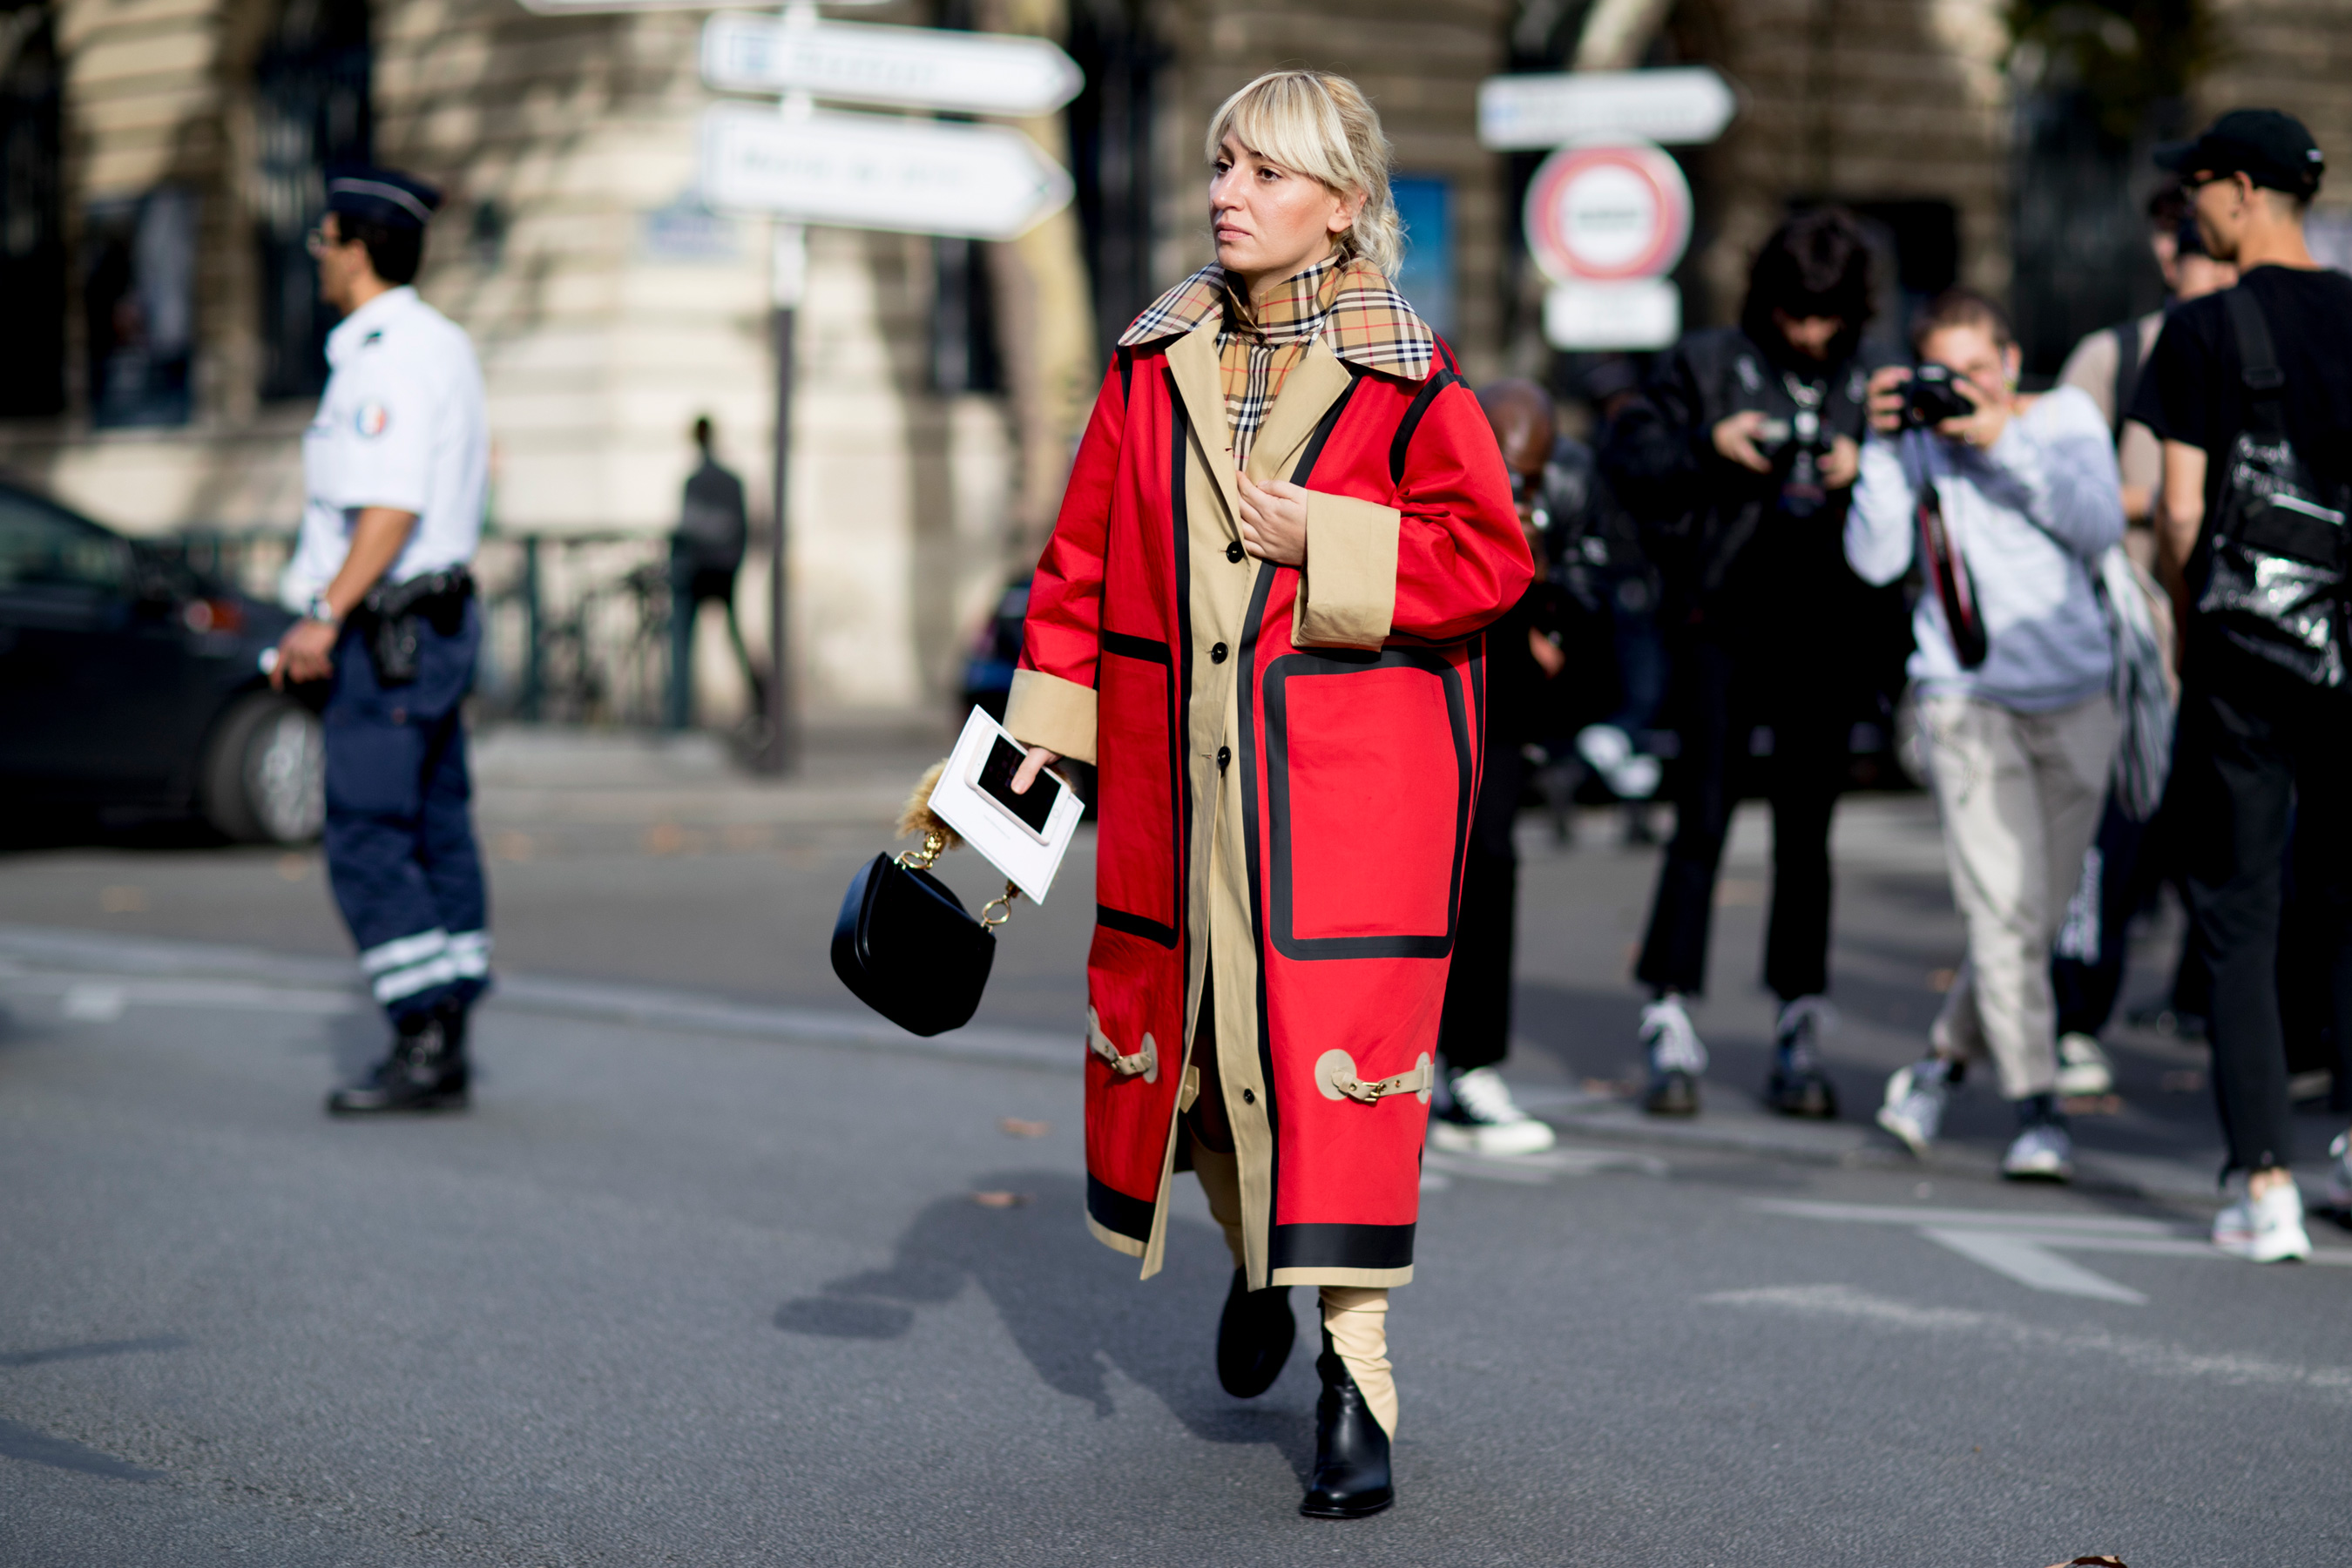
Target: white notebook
column 1023, row 836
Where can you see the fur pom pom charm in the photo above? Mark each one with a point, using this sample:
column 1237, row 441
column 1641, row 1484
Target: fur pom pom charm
column 917, row 819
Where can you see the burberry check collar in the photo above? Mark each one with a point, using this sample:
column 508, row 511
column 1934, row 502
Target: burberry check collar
column 1369, row 323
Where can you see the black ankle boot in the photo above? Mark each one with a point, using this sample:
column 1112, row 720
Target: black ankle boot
column 1254, row 1337
column 424, row 1071
column 1352, row 1449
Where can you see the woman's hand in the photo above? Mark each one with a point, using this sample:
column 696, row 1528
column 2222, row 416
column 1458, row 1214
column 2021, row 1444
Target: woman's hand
column 1886, row 399
column 1274, row 521
column 1735, row 438
column 1038, row 760
column 1841, row 464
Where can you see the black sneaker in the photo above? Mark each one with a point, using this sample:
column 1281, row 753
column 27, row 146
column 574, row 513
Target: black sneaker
column 424, row 1071
column 1798, row 1086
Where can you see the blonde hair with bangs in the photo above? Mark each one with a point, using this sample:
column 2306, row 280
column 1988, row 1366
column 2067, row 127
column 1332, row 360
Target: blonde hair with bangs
column 1322, row 126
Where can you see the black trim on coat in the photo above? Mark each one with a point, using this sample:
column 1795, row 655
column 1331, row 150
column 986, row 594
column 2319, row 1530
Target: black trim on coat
column 1401, row 442
column 1247, row 684
column 1126, row 360
column 1324, row 427
column 1340, row 1247
column 1347, row 662
column 1117, row 1213
column 1144, row 650
column 1180, row 729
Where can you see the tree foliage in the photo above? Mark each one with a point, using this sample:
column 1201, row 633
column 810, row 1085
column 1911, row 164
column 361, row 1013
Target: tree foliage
column 2124, row 55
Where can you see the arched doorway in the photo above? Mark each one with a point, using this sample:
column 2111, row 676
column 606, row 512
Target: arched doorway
column 310, row 110
column 32, row 231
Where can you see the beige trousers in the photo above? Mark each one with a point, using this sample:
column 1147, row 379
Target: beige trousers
column 1357, row 1316
column 2021, row 795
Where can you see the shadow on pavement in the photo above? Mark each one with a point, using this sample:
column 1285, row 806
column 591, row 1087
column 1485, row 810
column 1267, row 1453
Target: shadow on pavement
column 1072, row 1319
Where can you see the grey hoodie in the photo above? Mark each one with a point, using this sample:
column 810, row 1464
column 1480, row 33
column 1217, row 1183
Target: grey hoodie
column 2031, row 517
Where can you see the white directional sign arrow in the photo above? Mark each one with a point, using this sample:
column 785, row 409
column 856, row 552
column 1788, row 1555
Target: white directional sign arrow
column 870, row 171
column 1684, row 106
column 920, row 67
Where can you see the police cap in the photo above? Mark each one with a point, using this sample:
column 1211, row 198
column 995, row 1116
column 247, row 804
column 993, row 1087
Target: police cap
column 384, row 196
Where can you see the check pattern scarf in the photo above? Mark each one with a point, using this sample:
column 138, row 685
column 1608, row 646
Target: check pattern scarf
column 1348, row 303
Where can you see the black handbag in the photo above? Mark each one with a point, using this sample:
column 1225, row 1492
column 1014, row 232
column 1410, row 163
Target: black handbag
column 2276, row 565
column 906, row 946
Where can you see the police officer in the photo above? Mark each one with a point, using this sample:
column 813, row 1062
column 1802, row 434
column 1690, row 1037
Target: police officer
column 395, row 467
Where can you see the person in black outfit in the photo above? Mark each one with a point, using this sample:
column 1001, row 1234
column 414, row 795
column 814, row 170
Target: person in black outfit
column 1476, row 1114
column 705, row 553
column 1739, row 457
column 2265, row 715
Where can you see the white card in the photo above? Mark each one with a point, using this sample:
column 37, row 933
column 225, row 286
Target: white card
column 1028, row 850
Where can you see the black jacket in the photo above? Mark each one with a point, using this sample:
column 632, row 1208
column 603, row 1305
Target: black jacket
column 1733, row 555
column 713, row 525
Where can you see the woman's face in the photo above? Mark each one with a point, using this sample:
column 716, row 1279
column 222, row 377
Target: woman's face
column 1272, row 223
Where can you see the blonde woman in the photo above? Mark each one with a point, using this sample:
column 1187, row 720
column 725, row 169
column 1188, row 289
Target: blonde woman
column 1260, row 616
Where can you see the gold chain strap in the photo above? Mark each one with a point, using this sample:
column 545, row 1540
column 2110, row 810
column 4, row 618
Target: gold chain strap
column 935, row 844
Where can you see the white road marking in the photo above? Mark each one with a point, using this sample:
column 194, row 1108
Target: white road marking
column 1846, row 1303
column 2022, row 1245
column 94, row 1004
column 1540, row 1169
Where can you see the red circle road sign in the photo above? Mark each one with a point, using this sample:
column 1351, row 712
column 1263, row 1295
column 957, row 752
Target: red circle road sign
column 1608, row 213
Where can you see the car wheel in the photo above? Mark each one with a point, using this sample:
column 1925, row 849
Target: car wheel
column 266, row 778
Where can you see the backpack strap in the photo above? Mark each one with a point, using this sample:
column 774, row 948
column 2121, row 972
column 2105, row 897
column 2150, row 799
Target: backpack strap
column 2257, row 361
column 2127, row 365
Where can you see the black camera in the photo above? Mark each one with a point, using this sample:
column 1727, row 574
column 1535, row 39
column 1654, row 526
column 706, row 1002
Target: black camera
column 1795, row 448
column 1933, row 395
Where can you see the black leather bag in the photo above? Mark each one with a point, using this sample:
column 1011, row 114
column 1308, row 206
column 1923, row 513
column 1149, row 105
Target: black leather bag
column 2279, row 550
column 905, row 946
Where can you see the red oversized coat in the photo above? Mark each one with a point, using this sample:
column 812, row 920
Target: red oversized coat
column 1288, row 759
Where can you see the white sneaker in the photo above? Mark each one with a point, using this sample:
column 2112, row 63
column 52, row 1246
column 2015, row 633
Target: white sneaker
column 2042, row 1152
column 2268, row 1229
column 1609, row 751
column 1915, row 1096
column 2339, row 1173
column 2082, row 1067
column 1479, row 1117
column 1676, row 1055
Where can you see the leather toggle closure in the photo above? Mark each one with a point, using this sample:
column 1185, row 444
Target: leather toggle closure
column 1335, row 1075
column 1143, row 1064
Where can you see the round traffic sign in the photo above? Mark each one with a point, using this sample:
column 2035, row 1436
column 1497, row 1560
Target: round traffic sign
column 1606, row 212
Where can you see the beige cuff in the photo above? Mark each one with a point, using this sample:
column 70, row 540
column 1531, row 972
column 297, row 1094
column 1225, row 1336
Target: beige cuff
column 1046, row 710
column 1347, row 594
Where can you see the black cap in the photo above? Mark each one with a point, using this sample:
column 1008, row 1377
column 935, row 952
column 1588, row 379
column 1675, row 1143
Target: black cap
column 2272, row 149
column 383, row 197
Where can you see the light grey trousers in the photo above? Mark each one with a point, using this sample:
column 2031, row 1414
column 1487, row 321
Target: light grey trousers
column 2021, row 795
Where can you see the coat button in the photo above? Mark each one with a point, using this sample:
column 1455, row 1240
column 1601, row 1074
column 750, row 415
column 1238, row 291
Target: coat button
column 1233, row 551
column 1224, row 755
column 1217, row 654
column 1249, row 1097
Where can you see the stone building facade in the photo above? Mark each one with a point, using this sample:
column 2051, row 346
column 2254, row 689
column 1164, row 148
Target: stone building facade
column 161, row 172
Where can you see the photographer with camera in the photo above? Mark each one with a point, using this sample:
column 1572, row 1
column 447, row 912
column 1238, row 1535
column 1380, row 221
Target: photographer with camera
column 1740, row 458
column 2005, row 504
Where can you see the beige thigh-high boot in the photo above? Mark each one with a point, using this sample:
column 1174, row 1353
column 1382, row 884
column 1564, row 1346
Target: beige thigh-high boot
column 1357, row 1318
column 1220, row 1179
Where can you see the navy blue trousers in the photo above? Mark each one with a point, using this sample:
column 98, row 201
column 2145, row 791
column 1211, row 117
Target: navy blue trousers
column 400, row 832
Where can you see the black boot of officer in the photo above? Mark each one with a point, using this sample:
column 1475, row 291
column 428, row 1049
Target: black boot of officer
column 1352, row 1447
column 425, row 1070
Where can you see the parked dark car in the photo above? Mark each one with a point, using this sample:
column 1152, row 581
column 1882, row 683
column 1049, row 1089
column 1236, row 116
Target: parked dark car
column 132, row 686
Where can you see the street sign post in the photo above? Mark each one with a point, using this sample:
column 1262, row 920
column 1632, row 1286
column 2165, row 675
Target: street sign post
column 871, row 171
column 918, row 68
column 1606, row 223
column 1684, row 105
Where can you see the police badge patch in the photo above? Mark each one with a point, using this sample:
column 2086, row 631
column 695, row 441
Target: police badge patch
column 372, row 418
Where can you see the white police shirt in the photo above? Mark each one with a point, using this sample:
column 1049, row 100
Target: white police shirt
column 402, row 425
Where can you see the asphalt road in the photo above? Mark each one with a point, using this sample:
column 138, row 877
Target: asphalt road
column 703, row 1280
